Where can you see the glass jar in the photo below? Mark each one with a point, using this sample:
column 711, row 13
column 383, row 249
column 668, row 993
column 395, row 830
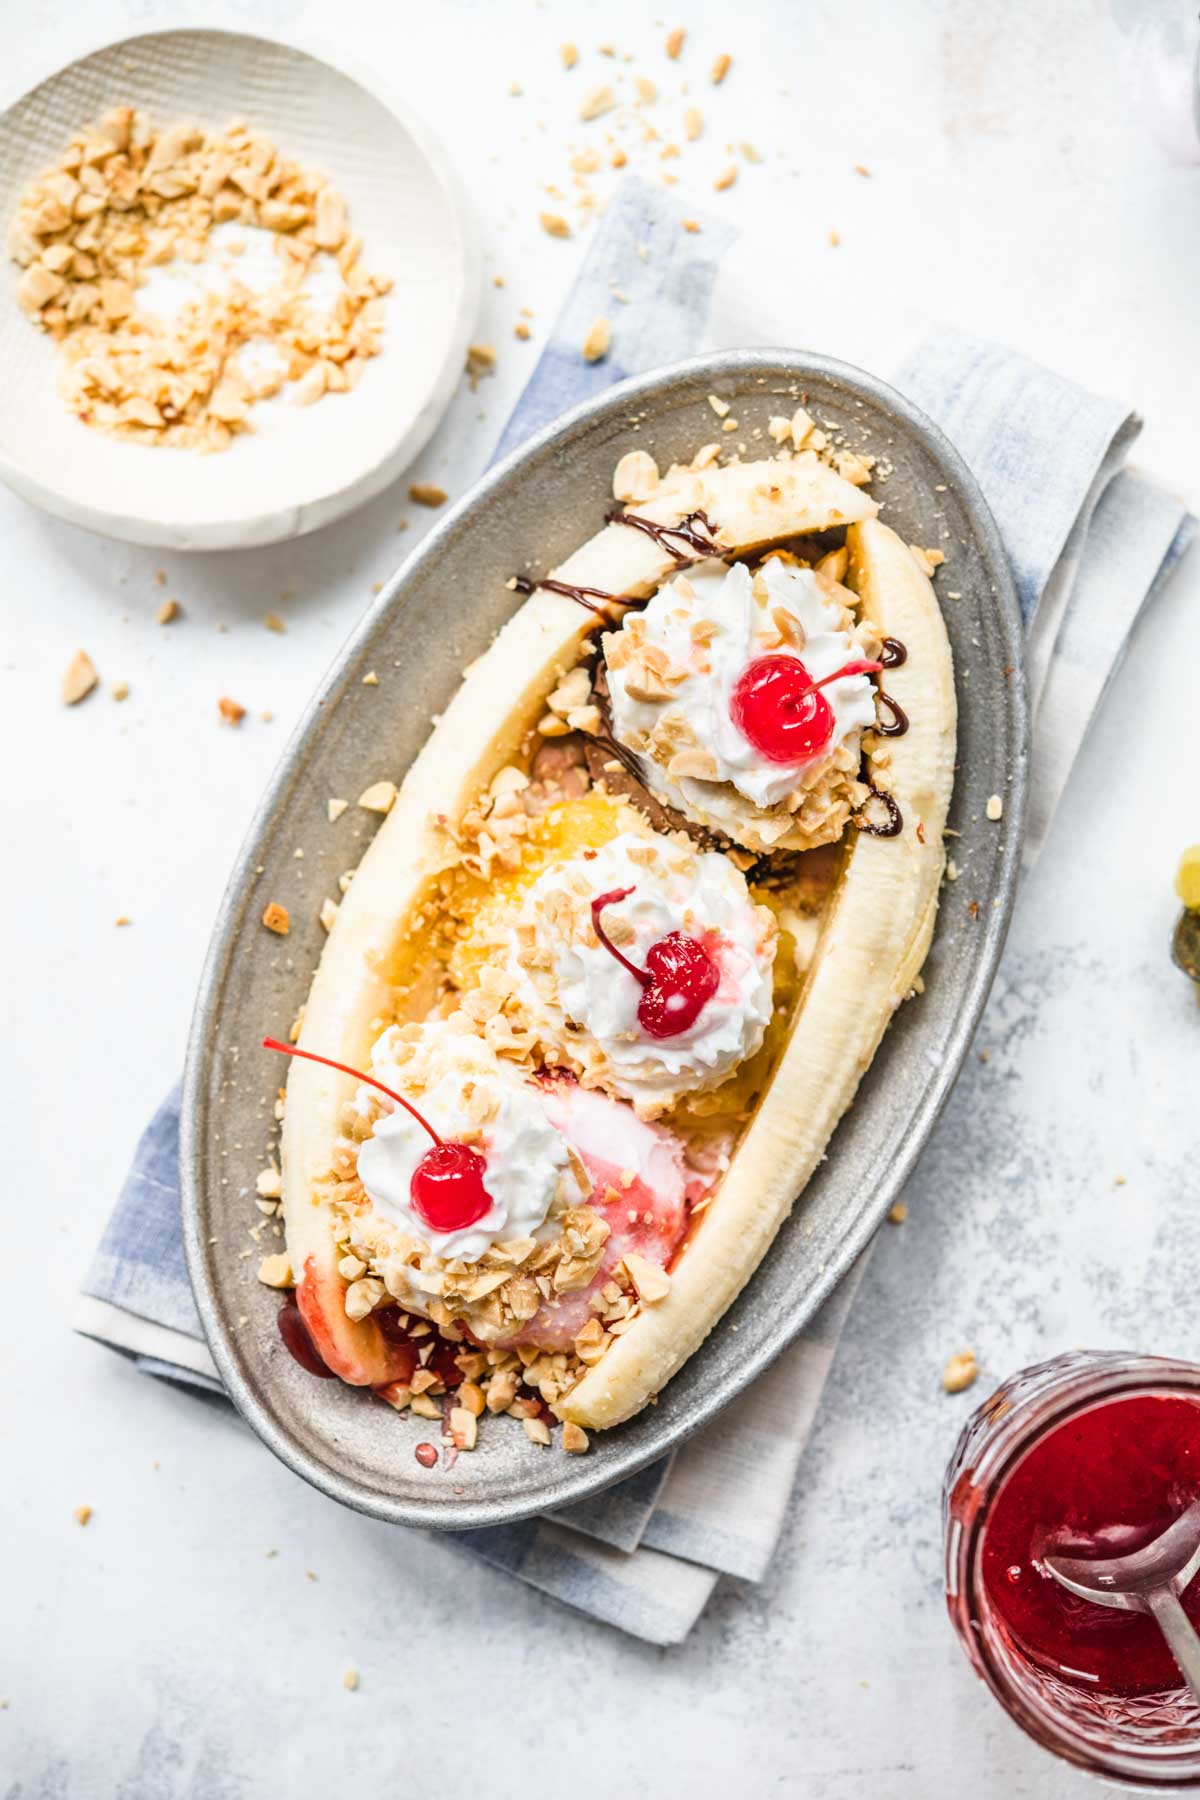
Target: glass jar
column 1148, row 1740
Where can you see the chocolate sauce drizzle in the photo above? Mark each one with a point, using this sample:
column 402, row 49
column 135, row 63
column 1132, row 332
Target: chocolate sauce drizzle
column 893, row 825
column 523, row 585
column 586, row 596
column 897, row 724
column 892, row 654
column 705, row 545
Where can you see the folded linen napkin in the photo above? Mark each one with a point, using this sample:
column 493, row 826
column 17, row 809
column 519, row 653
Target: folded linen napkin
column 1089, row 543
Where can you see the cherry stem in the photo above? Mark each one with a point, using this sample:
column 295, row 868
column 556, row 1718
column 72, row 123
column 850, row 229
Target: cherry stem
column 598, row 905
column 850, row 668
column 328, row 1062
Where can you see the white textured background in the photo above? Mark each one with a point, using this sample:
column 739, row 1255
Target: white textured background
column 164, row 1651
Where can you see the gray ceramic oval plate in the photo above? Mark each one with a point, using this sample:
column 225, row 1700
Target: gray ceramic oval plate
column 439, row 612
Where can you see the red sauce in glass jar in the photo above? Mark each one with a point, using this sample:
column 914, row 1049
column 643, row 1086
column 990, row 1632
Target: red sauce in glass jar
column 1102, row 1484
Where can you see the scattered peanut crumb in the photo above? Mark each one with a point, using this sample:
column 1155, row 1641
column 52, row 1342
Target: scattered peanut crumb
column 276, row 1271
column 719, row 406
column 464, row 1427
column 1120, row 1180
column 618, row 159
column 80, row 678
column 276, row 918
column 335, row 809
column 995, row 807
column 835, row 239
column 597, row 102
column 675, row 41
column 862, row 169
column 647, row 92
column 720, row 69
column 120, row 690
column 370, row 679
column 693, row 124
column 928, row 561
column 898, row 1212
column 267, row 1183
column 168, row 611
column 554, row 224
column 350, row 1679
column 481, row 361
column 749, row 152
column 521, row 330
column 122, row 919
column 597, row 341
column 574, row 1439
column 568, row 55
column 691, row 224
column 650, row 1281
column 82, row 1514
column 273, row 622
column 230, row 711
column 635, row 477
column 380, row 797
column 960, row 1372
column 425, row 493
column 328, row 913
column 726, row 178
column 537, row 1431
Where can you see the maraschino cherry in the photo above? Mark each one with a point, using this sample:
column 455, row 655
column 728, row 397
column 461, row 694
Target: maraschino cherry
column 447, row 1188
column 679, row 979
column 782, row 712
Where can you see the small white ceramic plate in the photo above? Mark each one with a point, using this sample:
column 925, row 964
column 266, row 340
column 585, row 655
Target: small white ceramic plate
column 303, row 465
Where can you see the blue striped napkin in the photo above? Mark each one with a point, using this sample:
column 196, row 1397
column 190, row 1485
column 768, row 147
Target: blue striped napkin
column 1089, row 542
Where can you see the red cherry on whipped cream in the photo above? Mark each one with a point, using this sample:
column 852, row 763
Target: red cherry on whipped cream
column 781, row 711
column 679, row 979
column 446, row 1189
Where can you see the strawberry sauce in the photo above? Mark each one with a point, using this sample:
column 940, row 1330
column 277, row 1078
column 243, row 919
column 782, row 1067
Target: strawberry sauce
column 1102, row 1484
column 299, row 1344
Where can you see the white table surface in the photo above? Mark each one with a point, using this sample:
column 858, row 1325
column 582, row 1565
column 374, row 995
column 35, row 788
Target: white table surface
column 175, row 1647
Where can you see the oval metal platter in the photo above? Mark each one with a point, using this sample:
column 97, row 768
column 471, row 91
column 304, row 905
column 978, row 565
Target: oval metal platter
column 438, row 613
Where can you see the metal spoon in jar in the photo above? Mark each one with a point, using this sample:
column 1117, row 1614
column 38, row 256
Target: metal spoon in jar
column 1149, row 1580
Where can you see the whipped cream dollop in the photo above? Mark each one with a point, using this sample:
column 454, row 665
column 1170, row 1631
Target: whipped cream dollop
column 468, row 1095
column 584, row 1005
column 702, row 631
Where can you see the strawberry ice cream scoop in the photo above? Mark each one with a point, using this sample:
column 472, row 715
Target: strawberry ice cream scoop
column 642, row 1187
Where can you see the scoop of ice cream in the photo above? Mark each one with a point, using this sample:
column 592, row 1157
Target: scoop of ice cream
column 469, row 1096
column 673, row 670
column 587, row 1004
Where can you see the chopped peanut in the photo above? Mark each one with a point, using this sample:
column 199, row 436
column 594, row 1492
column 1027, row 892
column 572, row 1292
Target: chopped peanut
column 960, row 1372
column 80, row 678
